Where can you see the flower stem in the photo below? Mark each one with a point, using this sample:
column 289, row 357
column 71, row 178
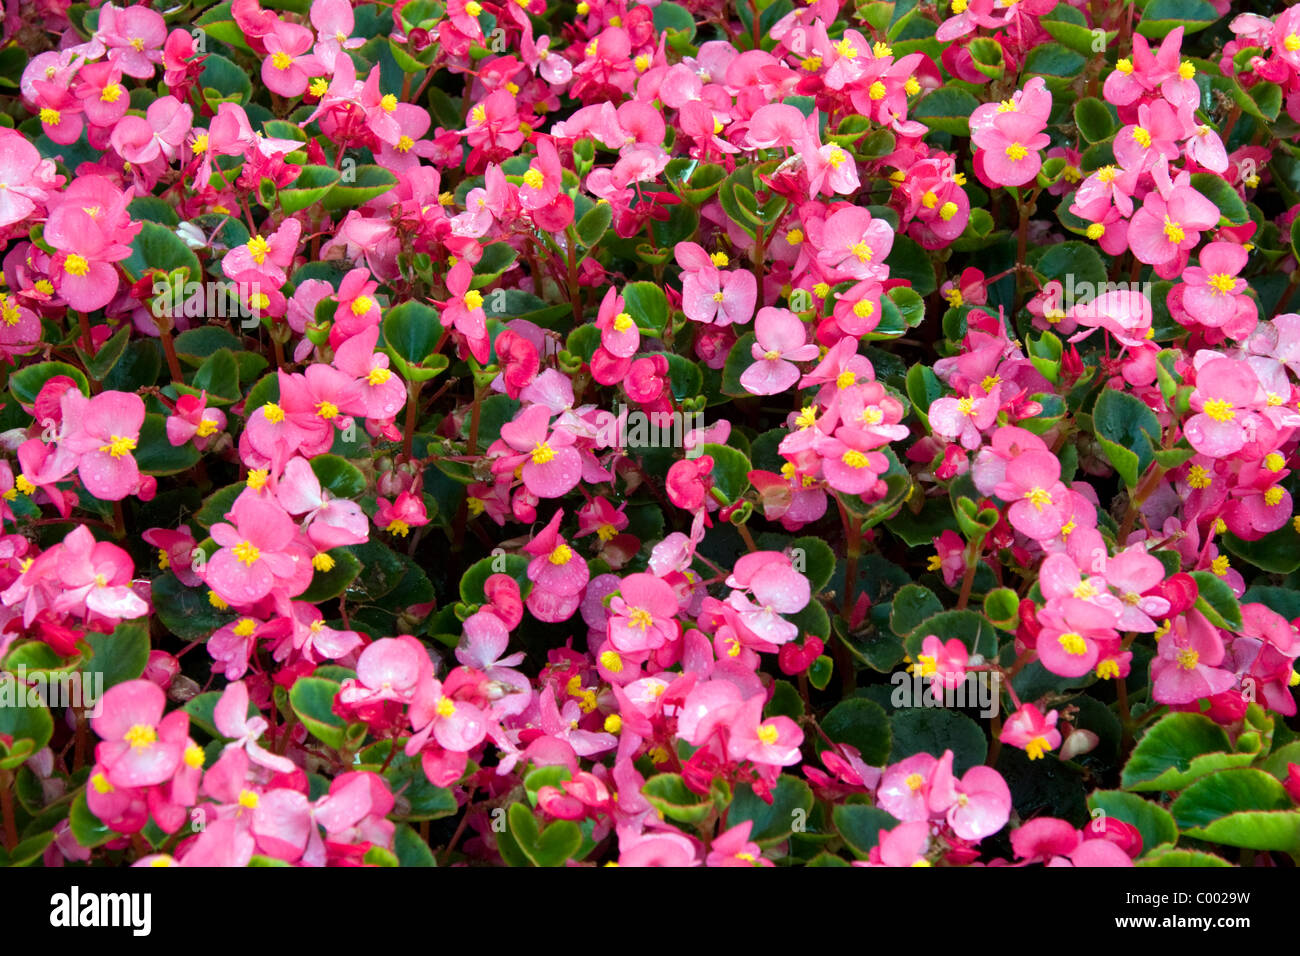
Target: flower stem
column 7, row 808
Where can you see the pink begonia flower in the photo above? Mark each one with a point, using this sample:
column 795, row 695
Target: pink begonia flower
column 619, row 335
column 29, row 178
column 1185, row 668
column 104, row 431
column 134, row 36
column 464, row 310
column 1225, row 401
column 774, row 741
column 264, row 260
column 1073, row 631
column 965, row 419
column 555, row 568
column 140, row 747
column 407, row 511
column 1038, row 498
column 904, row 790
column 976, row 806
column 255, row 555
column 1134, row 572
column 1167, row 227
column 906, row 845
column 855, row 244
column 944, row 663
column 456, row 725
column 194, row 421
column 1144, row 73
column 1212, row 288
column 330, row 522
column 175, row 552
column 1043, row 838
column 288, row 67
column 232, row 721
column 1156, row 135
column 1008, row 148
column 780, row 341
column 334, row 22
column 1029, row 730
column 159, row 134
column 642, row 615
column 657, row 848
column 551, row 467
column 710, row 295
column 85, row 276
column 733, row 847
column 96, row 575
column 776, row 589
column 1125, row 313
column 231, row 646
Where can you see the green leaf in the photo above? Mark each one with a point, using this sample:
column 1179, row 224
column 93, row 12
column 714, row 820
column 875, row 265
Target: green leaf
column 912, row 605
column 156, row 455
column 357, row 187
column 1227, row 792
column 933, row 730
column 820, row 672
column 792, row 801
column 1160, row 17
column 1094, row 119
column 1002, row 607
column 120, row 656
column 1154, row 822
column 814, row 559
column 647, row 304
column 309, row 188
column 730, row 470
column 1125, row 421
column 496, row 259
column 476, row 575
column 327, row 585
column 1075, row 259
column 313, row 701
column 88, row 830
column 1278, row 552
column 1221, row 194
column 1216, row 600
column 738, row 359
column 1054, row 59
column 418, row 799
column 668, row 794
column 550, row 847
column 30, row 850
column 410, row 849
column 860, row 826
column 102, row 362
column 219, row 377
column 230, row 82
column 1181, row 858
column 672, row 16
column 338, row 476
column 863, row 724
column 970, row 627
column 186, row 612
column 411, row 331
column 25, row 723
column 1178, row 749
column 26, row 383
column 593, row 226
column 907, row 260
column 157, row 247
column 946, row 110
